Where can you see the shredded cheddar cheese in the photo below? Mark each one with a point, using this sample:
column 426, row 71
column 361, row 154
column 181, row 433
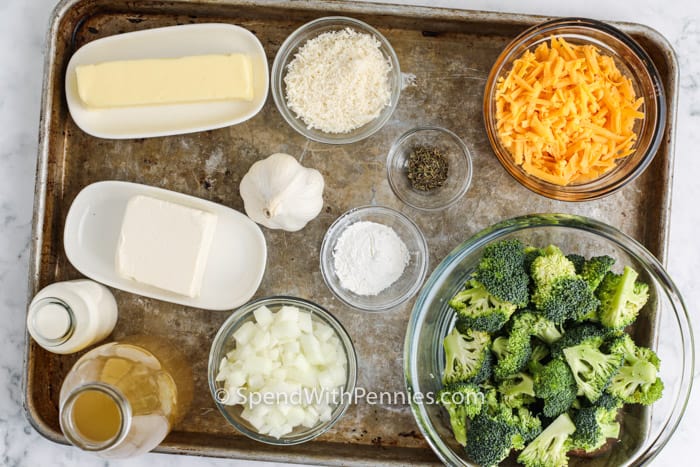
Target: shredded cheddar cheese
column 566, row 113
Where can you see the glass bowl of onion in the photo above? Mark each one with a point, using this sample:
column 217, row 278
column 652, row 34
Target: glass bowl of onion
column 282, row 370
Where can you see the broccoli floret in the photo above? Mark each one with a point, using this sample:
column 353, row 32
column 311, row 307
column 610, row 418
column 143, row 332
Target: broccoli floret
column 512, row 354
column 528, row 425
column 577, row 260
column 462, row 401
column 549, row 266
column 631, row 352
column 550, row 447
column 491, row 439
column 594, row 270
column 610, row 403
column 621, row 297
column 502, row 272
column 531, row 253
column 486, row 371
column 492, row 404
column 566, row 298
column 517, row 390
column 637, row 380
column 479, row 310
column 512, row 428
column 536, row 325
column 597, row 423
column 539, row 353
column 559, row 293
column 546, row 331
column 591, row 316
column 592, row 369
column 556, row 385
column 467, row 357
column 632, row 382
column 585, row 333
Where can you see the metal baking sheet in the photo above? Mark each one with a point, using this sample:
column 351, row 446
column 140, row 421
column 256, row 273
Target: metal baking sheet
column 445, row 56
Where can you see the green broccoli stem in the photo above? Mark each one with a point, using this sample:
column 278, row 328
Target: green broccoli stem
column 591, row 368
column 610, row 430
column 549, row 334
column 630, row 377
column 629, row 277
column 458, row 422
column 644, row 372
column 550, row 446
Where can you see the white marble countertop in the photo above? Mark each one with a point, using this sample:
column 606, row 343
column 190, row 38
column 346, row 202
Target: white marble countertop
column 23, row 25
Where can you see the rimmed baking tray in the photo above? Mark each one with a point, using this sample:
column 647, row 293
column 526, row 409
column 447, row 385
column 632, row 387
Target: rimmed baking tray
column 445, row 56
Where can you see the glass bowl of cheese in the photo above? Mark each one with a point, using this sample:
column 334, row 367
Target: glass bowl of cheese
column 574, row 109
column 336, row 80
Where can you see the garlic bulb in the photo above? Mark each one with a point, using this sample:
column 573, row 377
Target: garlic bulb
column 280, row 193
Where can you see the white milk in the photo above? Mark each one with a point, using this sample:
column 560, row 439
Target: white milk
column 66, row 317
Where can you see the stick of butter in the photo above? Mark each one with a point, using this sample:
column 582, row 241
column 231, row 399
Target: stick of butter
column 197, row 78
column 165, row 245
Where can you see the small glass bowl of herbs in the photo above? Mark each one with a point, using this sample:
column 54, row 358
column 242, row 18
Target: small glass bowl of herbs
column 429, row 168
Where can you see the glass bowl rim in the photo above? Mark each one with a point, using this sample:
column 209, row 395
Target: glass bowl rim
column 464, row 151
column 326, row 251
column 293, row 41
column 589, row 190
column 530, row 221
column 245, row 312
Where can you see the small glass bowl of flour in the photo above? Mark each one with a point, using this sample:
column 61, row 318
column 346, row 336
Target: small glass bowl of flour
column 374, row 258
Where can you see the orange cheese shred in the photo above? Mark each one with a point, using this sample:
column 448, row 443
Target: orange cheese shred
column 566, row 113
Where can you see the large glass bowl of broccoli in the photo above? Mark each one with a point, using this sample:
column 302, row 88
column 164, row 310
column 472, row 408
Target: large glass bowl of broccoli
column 545, row 341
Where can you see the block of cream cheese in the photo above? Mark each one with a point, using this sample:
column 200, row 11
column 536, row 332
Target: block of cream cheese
column 165, row 245
column 198, row 78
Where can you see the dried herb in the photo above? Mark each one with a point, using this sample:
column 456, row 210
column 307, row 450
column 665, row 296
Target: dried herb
column 427, row 168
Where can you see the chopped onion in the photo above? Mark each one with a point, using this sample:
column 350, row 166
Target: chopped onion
column 285, row 370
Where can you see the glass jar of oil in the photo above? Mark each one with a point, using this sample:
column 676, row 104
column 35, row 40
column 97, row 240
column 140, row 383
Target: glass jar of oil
column 121, row 399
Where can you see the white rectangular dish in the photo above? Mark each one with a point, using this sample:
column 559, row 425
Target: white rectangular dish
column 168, row 42
column 237, row 255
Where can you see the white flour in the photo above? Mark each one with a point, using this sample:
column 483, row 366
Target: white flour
column 369, row 257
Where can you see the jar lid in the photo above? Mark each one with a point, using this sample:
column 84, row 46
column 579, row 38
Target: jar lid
column 52, row 320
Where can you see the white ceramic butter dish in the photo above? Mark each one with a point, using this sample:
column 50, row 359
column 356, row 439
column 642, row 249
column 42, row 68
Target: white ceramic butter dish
column 235, row 264
column 173, row 119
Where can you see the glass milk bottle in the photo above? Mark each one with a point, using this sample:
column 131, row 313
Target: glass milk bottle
column 65, row 317
column 122, row 399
